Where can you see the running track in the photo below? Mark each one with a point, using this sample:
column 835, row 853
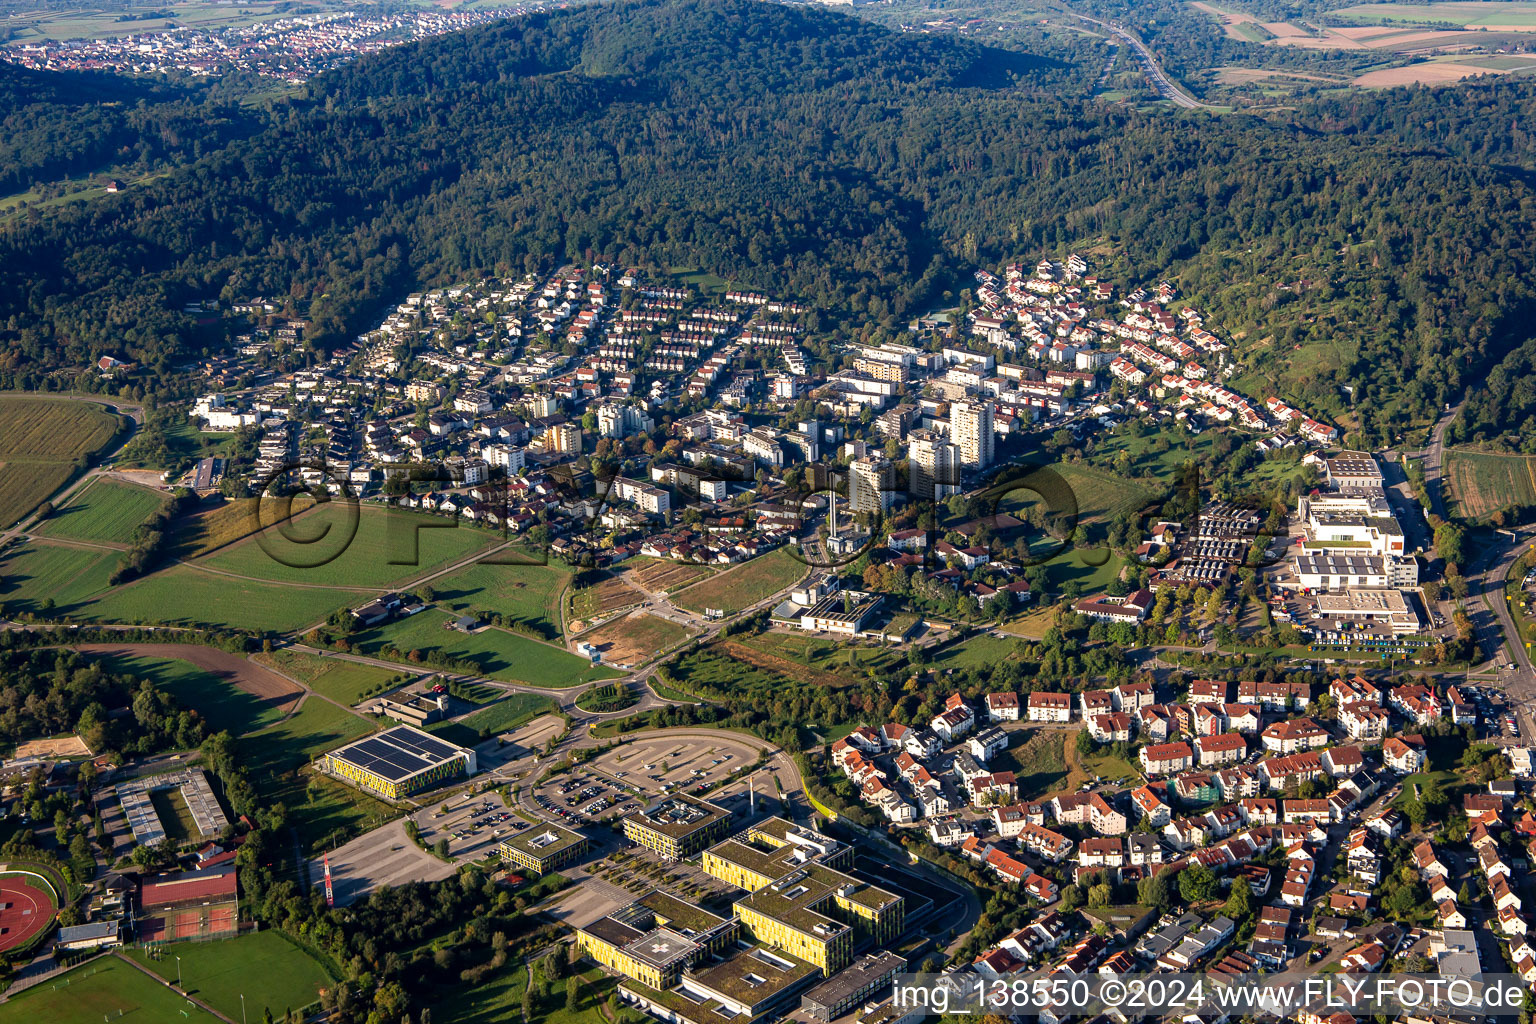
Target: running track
column 25, row 909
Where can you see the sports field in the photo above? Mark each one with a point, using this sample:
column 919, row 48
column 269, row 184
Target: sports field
column 345, row 681
column 36, row 572
column 270, row 971
column 389, row 547
column 745, row 584
column 1482, row 484
column 104, row 990
column 528, row 594
column 104, row 510
column 40, row 441
column 27, row 904
column 500, row 653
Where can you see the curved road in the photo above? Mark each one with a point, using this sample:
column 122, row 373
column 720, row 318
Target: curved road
column 1159, row 78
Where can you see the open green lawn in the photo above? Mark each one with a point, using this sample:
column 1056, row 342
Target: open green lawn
column 389, row 547
column 271, row 972
column 1470, row 14
column 1096, row 494
column 104, row 990
column 35, row 573
column 223, row 705
column 1112, row 769
column 821, row 652
column 104, row 510
column 744, row 585
column 1037, row 764
column 499, row 653
column 42, row 443
column 528, row 594
column 503, row 716
column 316, row 727
column 499, row 1000
column 345, row 681
column 980, row 651
column 184, row 595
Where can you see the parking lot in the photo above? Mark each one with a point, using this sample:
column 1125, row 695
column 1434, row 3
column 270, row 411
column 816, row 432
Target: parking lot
column 522, row 743
column 474, row 826
column 385, row 856
column 622, row 780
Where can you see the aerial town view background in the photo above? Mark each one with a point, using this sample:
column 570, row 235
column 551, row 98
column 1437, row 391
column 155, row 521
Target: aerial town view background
column 605, row 638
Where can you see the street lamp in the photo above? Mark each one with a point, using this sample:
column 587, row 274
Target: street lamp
column 242, row 1008
column 178, row 975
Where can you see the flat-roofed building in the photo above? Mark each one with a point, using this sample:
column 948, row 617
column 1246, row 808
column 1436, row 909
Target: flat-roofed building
column 852, row 986
column 1381, row 605
column 400, row 761
column 543, row 848
column 800, row 902
column 654, row 939
column 676, row 827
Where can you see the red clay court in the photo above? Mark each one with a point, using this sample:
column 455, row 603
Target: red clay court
column 26, row 907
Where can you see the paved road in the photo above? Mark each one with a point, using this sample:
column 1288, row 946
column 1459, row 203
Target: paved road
column 1432, row 457
column 1154, row 71
column 1495, row 623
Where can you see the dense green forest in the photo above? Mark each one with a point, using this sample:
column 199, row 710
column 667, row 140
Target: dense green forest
column 1379, row 241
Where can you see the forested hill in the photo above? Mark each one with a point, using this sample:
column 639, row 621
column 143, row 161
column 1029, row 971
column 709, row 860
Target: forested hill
column 802, row 150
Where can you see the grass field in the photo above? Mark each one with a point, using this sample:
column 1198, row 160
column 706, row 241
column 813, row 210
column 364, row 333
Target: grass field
column 659, row 575
column 183, row 595
column 529, row 594
column 499, row 653
column 104, row 510
column 389, row 547
column 223, row 705
column 1500, row 13
column 745, row 584
column 499, row 999
column 1482, row 484
column 171, row 807
column 503, row 716
column 821, row 653
column 1037, row 764
column 36, row 572
column 214, row 527
column 41, row 442
column 318, row 807
column 344, row 681
column 980, row 651
column 107, row 989
column 270, row 971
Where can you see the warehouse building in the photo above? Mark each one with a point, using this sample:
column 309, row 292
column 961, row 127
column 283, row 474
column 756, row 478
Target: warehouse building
column 543, row 848
column 400, row 761
column 678, row 826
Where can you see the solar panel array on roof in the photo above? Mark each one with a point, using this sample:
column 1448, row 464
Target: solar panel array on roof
column 397, row 754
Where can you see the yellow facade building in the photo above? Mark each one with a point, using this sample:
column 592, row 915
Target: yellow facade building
column 801, row 900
